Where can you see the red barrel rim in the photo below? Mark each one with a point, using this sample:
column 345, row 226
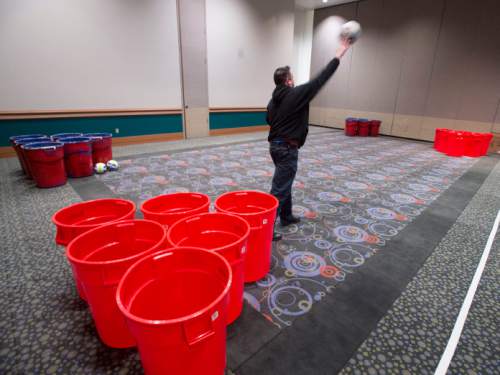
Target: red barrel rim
column 202, row 311
column 35, row 146
column 20, row 141
column 243, row 238
column 56, row 221
column 275, row 206
column 152, row 200
column 73, row 259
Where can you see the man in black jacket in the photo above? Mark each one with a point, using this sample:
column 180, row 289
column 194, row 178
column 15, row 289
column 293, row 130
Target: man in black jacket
column 288, row 116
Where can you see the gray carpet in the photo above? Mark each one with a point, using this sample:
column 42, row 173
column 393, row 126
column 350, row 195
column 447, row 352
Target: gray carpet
column 413, row 335
column 45, row 328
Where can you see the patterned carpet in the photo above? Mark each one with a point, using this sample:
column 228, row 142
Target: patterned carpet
column 354, row 195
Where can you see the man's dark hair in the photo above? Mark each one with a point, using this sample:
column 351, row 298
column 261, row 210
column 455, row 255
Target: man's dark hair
column 281, row 75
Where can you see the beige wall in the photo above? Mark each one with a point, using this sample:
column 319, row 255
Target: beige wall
column 419, row 65
column 247, row 41
column 91, row 54
column 302, row 45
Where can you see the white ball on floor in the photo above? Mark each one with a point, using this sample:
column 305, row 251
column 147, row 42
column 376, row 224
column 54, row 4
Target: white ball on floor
column 100, row 168
column 351, row 30
column 112, row 165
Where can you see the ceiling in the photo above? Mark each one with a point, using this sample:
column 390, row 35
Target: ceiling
column 313, row 4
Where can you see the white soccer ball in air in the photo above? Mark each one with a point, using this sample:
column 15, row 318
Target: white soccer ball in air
column 351, row 30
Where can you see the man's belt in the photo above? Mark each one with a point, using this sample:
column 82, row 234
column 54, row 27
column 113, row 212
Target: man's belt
column 290, row 142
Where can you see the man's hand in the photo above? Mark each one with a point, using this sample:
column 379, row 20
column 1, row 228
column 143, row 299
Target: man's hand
column 344, row 46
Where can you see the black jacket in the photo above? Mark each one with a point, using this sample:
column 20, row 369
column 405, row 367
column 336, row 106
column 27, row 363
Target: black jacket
column 288, row 110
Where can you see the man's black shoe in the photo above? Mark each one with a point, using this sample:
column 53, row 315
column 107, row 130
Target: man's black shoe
column 277, row 236
column 289, row 220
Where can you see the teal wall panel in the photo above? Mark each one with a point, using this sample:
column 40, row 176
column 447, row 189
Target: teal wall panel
column 128, row 125
column 224, row 120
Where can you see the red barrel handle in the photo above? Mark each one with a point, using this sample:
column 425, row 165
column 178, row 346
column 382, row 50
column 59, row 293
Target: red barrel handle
column 260, row 226
column 199, row 329
column 238, row 254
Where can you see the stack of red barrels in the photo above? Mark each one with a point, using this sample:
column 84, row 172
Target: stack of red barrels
column 50, row 160
column 462, row 143
column 170, row 283
column 362, row 127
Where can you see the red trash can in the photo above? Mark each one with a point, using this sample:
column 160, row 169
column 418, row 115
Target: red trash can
column 468, row 143
column 175, row 305
column 448, row 140
column 78, row 156
column 78, row 218
column 23, row 160
column 223, row 233
column 259, row 210
column 351, row 126
column 439, row 139
column 102, row 147
column 99, row 258
column 475, row 146
column 375, row 128
column 168, row 208
column 18, row 151
column 456, row 144
column 364, row 127
column 46, row 163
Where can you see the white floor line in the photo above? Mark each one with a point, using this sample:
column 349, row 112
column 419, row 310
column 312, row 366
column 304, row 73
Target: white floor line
column 462, row 316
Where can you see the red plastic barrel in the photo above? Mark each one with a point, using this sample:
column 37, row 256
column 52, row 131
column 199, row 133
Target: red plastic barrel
column 375, row 128
column 78, row 218
column 364, row 127
column 23, row 160
column 475, row 145
column 449, row 136
column 351, row 126
column 456, row 144
column 102, row 150
column 468, row 143
column 18, row 151
column 223, row 233
column 259, row 210
column 99, row 258
column 78, row 156
column 439, row 139
column 46, row 163
column 168, row 208
column 175, row 305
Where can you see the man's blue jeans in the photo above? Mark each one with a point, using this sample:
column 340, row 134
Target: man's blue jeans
column 285, row 158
